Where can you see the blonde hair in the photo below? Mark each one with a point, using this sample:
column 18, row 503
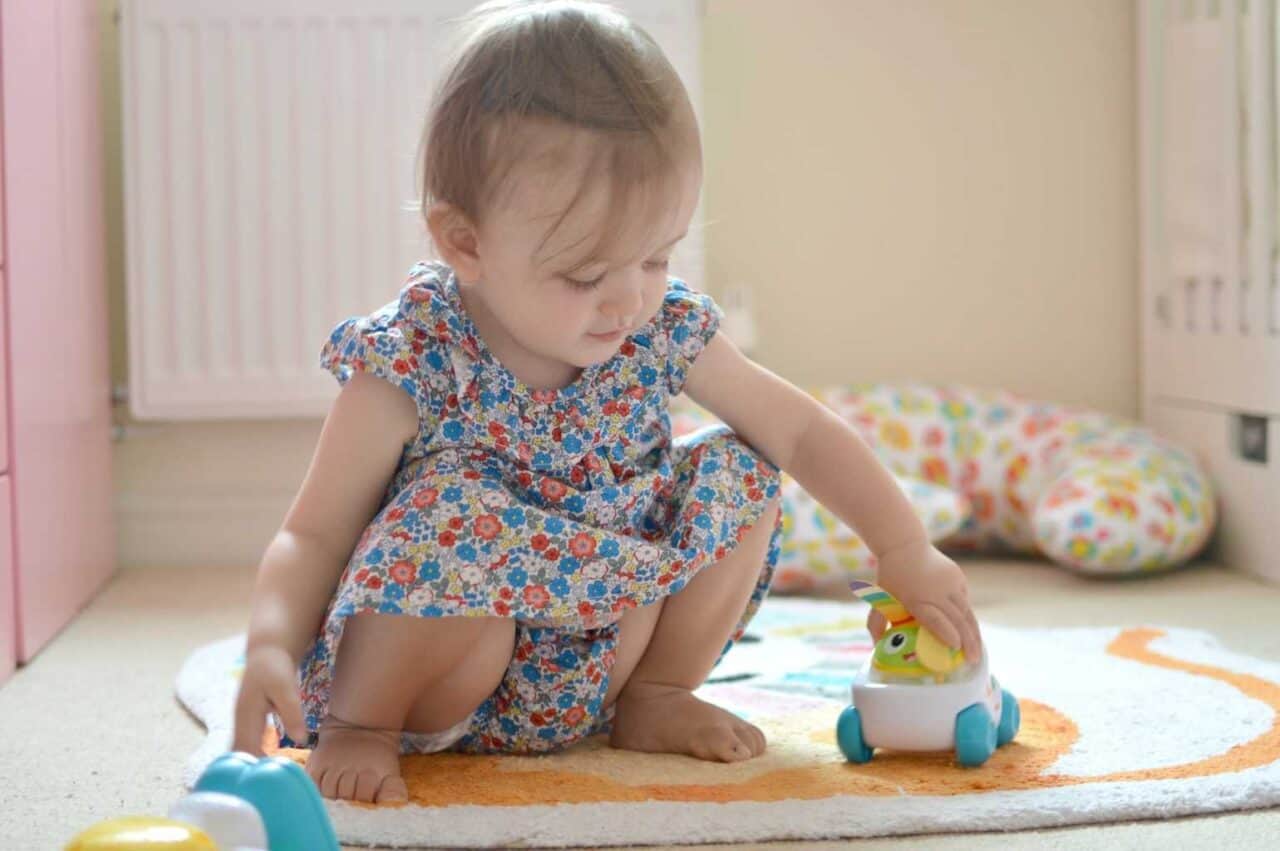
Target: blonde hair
column 578, row 65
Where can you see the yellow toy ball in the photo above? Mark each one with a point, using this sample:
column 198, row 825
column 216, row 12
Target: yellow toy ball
column 142, row 833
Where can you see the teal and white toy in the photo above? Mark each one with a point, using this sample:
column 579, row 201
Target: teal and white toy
column 917, row 694
column 240, row 803
column 288, row 801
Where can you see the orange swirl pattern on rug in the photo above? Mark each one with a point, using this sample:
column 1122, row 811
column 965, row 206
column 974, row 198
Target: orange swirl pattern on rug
column 1045, row 735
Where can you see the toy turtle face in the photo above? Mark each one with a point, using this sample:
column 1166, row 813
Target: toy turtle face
column 896, row 652
column 906, row 649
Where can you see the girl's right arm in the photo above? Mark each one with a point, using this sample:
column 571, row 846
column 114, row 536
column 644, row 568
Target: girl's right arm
column 359, row 449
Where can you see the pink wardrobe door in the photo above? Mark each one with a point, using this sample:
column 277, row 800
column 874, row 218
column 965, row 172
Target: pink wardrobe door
column 59, row 379
column 8, row 626
column 8, row 613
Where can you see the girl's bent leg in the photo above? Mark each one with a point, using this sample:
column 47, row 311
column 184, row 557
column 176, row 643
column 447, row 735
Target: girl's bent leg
column 397, row 672
column 656, row 710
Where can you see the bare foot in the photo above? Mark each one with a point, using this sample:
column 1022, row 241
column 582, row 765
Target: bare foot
column 357, row 764
column 667, row 719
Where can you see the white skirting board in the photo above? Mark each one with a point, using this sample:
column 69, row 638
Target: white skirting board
column 1249, row 498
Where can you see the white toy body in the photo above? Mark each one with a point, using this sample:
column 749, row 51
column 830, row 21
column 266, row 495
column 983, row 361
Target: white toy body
column 967, row 713
column 915, row 693
column 921, row 715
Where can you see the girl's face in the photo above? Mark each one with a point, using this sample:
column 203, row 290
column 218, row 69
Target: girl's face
column 556, row 307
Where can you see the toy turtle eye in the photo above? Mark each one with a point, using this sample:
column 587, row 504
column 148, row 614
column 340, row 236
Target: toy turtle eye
column 897, row 641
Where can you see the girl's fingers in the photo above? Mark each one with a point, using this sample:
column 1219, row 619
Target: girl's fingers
column 940, row 622
column 964, row 638
column 289, row 708
column 976, row 631
column 876, row 624
column 251, row 712
column 962, row 616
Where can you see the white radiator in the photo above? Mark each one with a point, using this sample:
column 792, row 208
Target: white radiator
column 270, row 185
column 1210, row 298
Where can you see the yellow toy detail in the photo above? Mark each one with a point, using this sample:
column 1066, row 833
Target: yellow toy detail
column 906, row 649
column 142, row 833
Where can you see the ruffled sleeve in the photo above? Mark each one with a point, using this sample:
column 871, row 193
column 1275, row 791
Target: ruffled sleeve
column 387, row 344
column 688, row 319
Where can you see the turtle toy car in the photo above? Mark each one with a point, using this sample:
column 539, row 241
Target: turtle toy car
column 917, row 694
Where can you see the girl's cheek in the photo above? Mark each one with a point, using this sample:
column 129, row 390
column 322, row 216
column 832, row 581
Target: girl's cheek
column 655, row 304
column 566, row 305
column 659, row 293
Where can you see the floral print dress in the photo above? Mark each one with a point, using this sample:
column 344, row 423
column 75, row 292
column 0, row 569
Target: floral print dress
column 562, row 507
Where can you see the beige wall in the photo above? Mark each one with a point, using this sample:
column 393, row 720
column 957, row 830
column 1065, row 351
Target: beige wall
column 912, row 189
column 932, row 189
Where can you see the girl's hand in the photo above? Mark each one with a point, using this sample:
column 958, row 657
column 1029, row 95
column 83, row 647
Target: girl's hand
column 269, row 683
column 933, row 588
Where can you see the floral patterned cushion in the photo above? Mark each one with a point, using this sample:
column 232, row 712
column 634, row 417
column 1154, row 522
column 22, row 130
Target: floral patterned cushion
column 1093, row 492
column 817, row 549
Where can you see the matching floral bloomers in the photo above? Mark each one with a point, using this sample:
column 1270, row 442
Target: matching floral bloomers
column 559, row 508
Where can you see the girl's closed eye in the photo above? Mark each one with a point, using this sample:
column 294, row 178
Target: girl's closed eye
column 585, row 276
column 583, row 285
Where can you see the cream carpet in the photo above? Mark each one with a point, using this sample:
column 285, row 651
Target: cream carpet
column 107, row 682
column 1117, row 722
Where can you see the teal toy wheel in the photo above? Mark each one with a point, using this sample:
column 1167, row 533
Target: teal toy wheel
column 849, row 736
column 975, row 735
column 1010, row 718
column 283, row 794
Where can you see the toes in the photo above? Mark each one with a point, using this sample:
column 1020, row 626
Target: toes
column 681, row 723
column 356, row 767
column 752, row 737
column 721, row 744
column 392, row 791
column 704, row 746
column 329, row 782
column 346, row 786
column 367, row 783
column 738, row 751
column 750, row 746
column 315, row 771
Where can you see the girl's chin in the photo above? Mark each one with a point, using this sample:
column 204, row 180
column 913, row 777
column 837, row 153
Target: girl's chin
column 596, row 352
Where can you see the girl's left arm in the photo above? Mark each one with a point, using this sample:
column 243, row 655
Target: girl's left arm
column 836, row 467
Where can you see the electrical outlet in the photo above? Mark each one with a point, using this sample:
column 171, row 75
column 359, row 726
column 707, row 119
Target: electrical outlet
column 1251, row 437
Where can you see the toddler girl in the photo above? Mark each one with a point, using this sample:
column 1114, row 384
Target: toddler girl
column 498, row 547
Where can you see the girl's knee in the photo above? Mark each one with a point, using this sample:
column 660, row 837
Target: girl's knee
column 467, row 680
column 436, row 644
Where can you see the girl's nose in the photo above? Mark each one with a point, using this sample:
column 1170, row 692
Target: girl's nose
column 625, row 303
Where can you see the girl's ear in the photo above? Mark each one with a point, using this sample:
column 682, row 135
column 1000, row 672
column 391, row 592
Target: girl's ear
column 454, row 235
